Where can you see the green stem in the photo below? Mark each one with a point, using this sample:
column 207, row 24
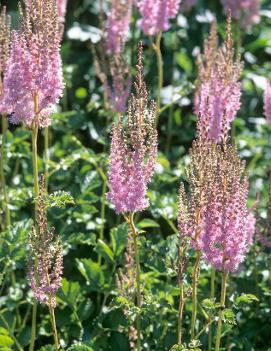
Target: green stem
column 2, row 176
column 157, row 49
column 35, row 132
column 53, row 321
column 195, row 277
column 138, row 288
column 46, row 155
column 180, row 315
column 210, row 336
column 221, row 312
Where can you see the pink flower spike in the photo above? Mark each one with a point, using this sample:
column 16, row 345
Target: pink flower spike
column 267, row 102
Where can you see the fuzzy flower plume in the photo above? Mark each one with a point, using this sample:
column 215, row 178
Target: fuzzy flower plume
column 117, row 26
column 62, row 8
column 156, row 14
column 33, row 81
column 227, row 236
column 267, row 102
column 218, row 93
column 45, row 258
column 245, row 11
column 4, row 50
column 192, row 203
column 133, row 150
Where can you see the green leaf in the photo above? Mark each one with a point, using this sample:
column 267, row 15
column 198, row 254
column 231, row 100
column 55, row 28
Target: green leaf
column 80, row 347
column 58, row 199
column 210, row 304
column 118, row 237
column 246, row 298
column 104, row 250
column 92, row 272
column 229, row 316
column 5, row 341
column 69, row 292
column 147, row 223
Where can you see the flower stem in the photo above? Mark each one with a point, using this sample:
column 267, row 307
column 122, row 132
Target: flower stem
column 221, row 312
column 157, row 49
column 195, row 277
column 35, row 131
column 180, row 316
column 2, row 176
column 138, row 288
column 53, row 321
column 212, row 295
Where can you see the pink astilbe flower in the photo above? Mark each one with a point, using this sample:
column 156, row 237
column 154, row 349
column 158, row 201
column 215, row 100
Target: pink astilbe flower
column 186, row 5
column 62, row 8
column 155, row 14
column 133, row 150
column 247, row 11
column 227, row 236
column 267, row 102
column 33, row 81
column 117, row 25
column 250, row 228
column 218, row 93
column 4, row 51
column 46, row 258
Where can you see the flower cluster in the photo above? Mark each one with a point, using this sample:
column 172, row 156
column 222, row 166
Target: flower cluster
column 267, row 102
column 156, row 14
column 62, row 8
column 33, row 81
column 117, row 25
column 218, row 93
column 45, row 258
column 246, row 11
column 4, row 48
column 133, row 150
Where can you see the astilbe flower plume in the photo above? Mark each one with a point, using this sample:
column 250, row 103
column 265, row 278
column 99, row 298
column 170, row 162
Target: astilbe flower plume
column 62, row 8
column 45, row 257
column 117, row 25
column 219, row 91
column 245, row 11
column 33, row 81
column 4, row 50
column 267, row 102
column 226, row 234
column 133, row 150
column 156, row 14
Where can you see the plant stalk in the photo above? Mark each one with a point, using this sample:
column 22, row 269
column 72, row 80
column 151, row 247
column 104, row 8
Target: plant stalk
column 180, row 316
column 46, row 156
column 2, row 173
column 53, row 321
column 195, row 277
column 157, row 49
column 138, row 285
column 212, row 295
column 221, row 312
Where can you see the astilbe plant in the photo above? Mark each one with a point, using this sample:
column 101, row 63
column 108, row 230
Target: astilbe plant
column 117, row 25
column 267, row 102
column 33, row 81
column 219, row 91
column 132, row 164
column 45, row 259
column 244, row 11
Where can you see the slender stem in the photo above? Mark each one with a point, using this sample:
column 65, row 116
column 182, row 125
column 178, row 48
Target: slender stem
column 138, row 288
column 221, row 312
column 35, row 131
column 210, row 336
column 2, row 176
column 195, row 277
column 157, row 49
column 53, row 321
column 46, row 155
column 181, row 309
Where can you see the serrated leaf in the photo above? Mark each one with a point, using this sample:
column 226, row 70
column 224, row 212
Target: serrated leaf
column 118, row 237
column 80, row 347
column 246, row 298
column 92, row 272
column 58, row 199
column 69, row 292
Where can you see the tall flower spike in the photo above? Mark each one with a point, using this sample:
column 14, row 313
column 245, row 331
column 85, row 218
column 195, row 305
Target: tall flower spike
column 245, row 11
column 218, row 92
column 4, row 50
column 133, row 150
column 33, row 81
column 226, row 238
column 45, row 257
column 120, row 88
column 155, row 14
column 267, row 102
column 62, row 8
column 117, row 25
